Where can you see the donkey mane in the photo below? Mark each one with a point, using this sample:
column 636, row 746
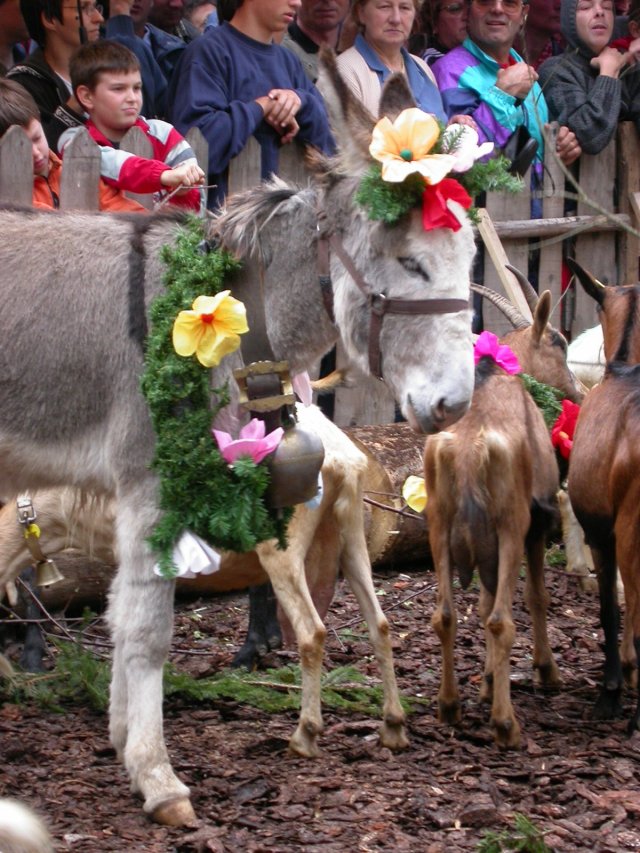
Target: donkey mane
column 238, row 227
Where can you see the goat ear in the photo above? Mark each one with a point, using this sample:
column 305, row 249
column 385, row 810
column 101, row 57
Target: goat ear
column 351, row 122
column 396, row 96
column 592, row 287
column 541, row 315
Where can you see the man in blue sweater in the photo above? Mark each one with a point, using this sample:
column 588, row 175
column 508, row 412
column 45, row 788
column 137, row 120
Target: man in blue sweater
column 234, row 82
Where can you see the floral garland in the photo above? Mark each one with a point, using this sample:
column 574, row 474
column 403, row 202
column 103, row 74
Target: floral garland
column 415, row 154
column 200, row 490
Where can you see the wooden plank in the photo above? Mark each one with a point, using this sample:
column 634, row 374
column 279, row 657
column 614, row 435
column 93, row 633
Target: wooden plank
column 508, row 284
column 135, row 142
column 504, row 207
column 556, row 226
column 200, row 148
column 550, row 265
column 16, row 168
column 596, row 252
column 80, row 174
column 628, row 161
column 291, row 166
column 245, row 170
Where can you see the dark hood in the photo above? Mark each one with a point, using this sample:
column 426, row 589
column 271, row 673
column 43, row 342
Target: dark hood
column 568, row 27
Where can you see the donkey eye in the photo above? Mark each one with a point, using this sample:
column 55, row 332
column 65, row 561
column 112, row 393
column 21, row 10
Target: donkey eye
column 412, row 266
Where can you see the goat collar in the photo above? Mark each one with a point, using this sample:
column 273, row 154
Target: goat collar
column 379, row 304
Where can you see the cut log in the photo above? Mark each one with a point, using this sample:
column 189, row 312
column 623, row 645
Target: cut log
column 394, row 452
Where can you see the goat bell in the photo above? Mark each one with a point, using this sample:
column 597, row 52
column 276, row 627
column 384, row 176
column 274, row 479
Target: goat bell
column 47, row 573
column 294, row 468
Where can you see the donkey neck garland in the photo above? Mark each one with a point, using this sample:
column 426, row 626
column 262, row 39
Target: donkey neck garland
column 415, row 154
column 199, row 491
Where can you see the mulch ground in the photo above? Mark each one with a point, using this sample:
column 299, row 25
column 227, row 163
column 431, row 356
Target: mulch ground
column 578, row 781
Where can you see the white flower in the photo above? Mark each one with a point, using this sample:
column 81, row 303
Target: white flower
column 466, row 151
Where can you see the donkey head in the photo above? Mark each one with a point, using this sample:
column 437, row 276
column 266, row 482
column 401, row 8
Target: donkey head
column 426, row 358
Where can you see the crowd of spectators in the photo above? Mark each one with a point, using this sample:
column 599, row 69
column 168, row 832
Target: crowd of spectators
column 242, row 68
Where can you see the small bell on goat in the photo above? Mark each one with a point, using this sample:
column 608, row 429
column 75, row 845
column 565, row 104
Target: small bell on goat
column 47, row 573
column 294, row 468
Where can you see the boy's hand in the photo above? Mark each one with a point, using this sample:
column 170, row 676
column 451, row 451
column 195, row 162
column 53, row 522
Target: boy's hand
column 186, row 175
column 290, row 132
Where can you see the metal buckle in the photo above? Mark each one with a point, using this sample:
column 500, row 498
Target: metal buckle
column 378, row 304
column 265, row 368
column 26, row 512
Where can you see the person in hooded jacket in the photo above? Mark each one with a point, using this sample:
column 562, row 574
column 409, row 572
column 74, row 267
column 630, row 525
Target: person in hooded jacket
column 592, row 85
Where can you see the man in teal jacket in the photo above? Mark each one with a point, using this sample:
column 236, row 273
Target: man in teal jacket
column 485, row 78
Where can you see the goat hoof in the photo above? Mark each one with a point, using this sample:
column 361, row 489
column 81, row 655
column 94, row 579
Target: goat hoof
column 507, row 733
column 304, row 741
column 630, row 673
column 608, row 705
column 449, row 713
column 485, row 694
column 175, row 813
column 393, row 736
column 547, row 674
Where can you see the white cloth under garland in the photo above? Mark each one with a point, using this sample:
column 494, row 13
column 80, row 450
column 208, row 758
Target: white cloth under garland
column 193, row 556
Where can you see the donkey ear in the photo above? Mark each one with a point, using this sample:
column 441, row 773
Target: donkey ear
column 351, row 122
column 396, row 97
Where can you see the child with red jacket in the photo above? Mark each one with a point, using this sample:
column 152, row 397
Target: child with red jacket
column 106, row 81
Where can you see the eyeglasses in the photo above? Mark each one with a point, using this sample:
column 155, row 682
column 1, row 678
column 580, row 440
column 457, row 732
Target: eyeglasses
column 511, row 7
column 87, row 9
column 454, row 8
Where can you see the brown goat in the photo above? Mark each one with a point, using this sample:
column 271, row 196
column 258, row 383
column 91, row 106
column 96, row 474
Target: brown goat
column 491, row 482
column 604, row 480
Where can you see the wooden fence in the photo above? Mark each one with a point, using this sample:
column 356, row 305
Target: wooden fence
column 600, row 235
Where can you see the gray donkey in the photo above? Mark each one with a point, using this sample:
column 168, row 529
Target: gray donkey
column 74, row 292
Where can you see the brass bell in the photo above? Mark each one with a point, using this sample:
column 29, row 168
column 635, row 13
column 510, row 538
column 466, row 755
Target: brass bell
column 47, row 573
column 294, row 468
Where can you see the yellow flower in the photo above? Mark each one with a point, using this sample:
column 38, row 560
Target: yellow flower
column 414, row 493
column 211, row 328
column 403, row 147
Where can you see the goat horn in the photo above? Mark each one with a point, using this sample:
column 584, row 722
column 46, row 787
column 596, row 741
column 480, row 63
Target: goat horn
column 528, row 291
column 502, row 304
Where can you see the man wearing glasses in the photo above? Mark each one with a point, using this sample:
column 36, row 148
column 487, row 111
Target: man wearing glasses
column 60, row 27
column 485, row 78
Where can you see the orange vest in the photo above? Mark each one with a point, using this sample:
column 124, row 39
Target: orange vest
column 46, row 192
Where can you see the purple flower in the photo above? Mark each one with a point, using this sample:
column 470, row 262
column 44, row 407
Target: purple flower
column 488, row 344
column 252, row 442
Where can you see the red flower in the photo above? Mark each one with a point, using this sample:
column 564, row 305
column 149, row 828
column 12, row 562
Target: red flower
column 435, row 212
column 622, row 44
column 563, row 429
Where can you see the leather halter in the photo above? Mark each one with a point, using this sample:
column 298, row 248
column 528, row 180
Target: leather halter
column 379, row 304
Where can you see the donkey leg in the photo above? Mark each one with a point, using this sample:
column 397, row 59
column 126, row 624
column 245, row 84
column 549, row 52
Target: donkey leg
column 286, row 573
column 356, row 567
column 141, row 618
column 537, row 600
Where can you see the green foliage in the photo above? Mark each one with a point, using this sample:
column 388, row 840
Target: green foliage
column 387, row 201
column 547, row 398
column 490, row 176
column 198, row 490
column 80, row 677
column 524, row 837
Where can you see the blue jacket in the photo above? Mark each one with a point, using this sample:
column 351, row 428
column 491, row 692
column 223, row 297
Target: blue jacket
column 214, row 88
column 154, row 81
column 467, row 81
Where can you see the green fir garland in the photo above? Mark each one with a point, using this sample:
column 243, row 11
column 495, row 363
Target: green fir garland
column 198, row 490
column 547, row 398
column 388, row 202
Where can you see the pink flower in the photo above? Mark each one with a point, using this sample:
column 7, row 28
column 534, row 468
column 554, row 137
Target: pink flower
column 488, row 344
column 563, row 429
column 252, row 442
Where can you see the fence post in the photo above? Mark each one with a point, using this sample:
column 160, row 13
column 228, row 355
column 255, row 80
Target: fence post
column 16, row 168
column 135, row 142
column 550, row 267
column 80, row 174
column 628, row 161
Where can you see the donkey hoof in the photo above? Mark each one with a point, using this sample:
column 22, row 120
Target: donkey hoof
column 449, row 713
column 175, row 813
column 507, row 733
